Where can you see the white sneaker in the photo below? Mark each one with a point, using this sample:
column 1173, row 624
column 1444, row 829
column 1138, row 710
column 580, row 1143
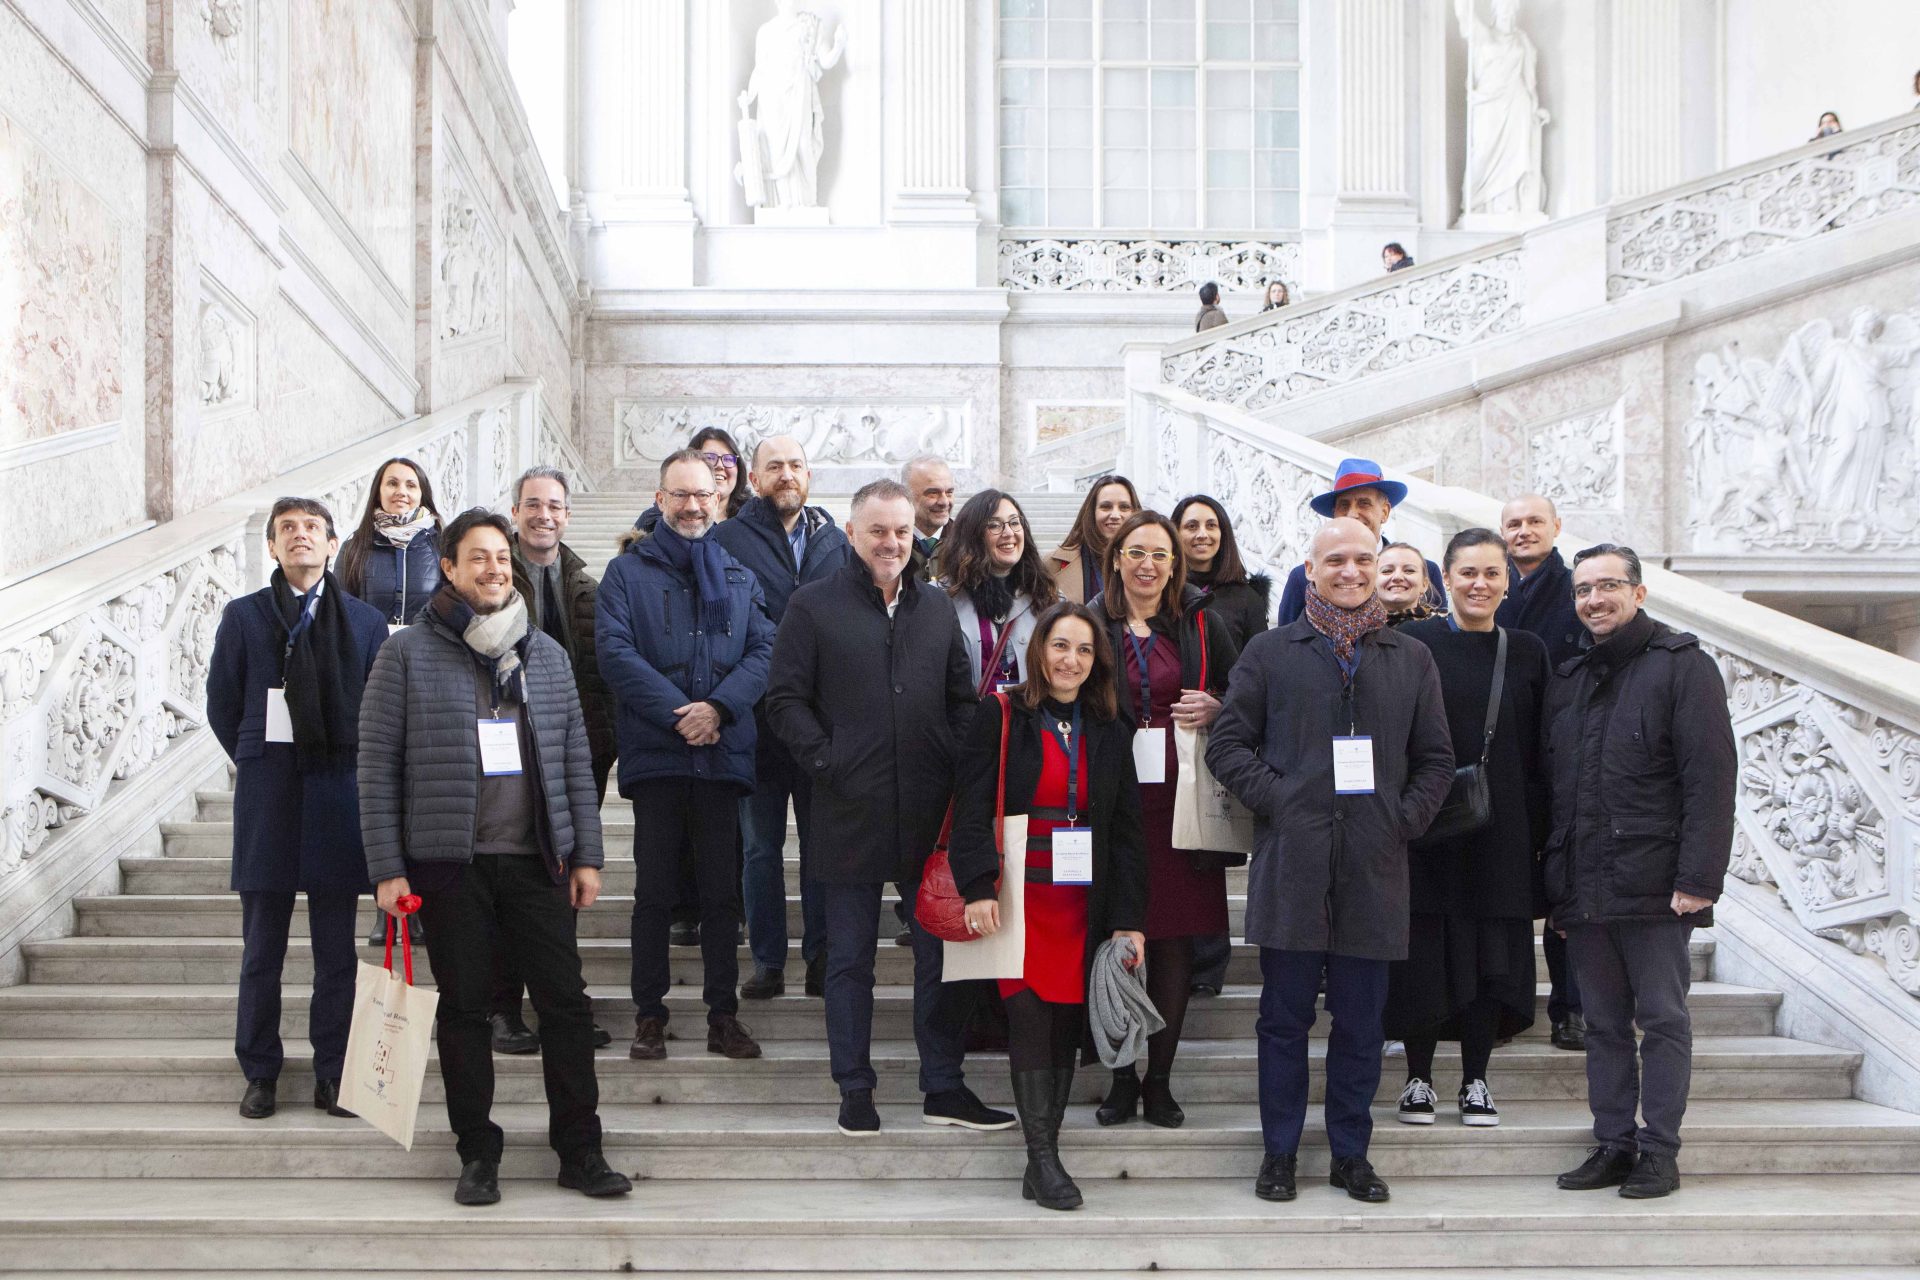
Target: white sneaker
column 1416, row 1103
column 1476, row 1105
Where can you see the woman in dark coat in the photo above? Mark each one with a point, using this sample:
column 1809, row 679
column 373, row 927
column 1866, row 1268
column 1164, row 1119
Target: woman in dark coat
column 1164, row 638
column 1069, row 764
column 392, row 559
column 1469, row 971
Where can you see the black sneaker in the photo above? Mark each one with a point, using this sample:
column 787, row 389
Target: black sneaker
column 858, row 1119
column 1476, row 1105
column 1603, row 1167
column 960, row 1108
column 1416, row 1103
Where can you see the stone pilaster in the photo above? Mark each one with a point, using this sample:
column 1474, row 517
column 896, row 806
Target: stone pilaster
column 1646, row 151
column 929, row 50
column 633, row 63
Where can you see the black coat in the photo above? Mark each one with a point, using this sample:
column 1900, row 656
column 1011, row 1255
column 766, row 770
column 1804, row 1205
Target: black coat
column 873, row 710
column 1542, row 603
column 1329, row 872
column 1245, row 605
column 1640, row 750
column 1118, row 896
column 758, row 540
column 579, row 591
column 1493, row 873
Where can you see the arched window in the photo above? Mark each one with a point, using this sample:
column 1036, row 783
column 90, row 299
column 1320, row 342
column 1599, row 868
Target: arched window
column 1153, row 116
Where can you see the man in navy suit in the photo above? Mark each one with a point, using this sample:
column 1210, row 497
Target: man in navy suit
column 283, row 697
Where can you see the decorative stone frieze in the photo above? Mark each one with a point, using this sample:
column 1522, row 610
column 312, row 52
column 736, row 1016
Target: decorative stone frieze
column 836, row 434
column 1577, row 462
column 1097, row 265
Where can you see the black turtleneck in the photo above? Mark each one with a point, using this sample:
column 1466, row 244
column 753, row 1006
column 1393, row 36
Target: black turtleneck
column 1626, row 642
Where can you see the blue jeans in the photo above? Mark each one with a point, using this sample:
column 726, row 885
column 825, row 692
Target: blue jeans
column 763, row 878
column 1356, row 998
column 939, row 1014
column 265, row 919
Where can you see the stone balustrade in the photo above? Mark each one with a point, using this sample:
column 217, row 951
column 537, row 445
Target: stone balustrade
column 1097, row 263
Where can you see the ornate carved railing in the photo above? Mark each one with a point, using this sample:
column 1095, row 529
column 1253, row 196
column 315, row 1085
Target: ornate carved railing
column 103, row 661
column 1096, row 263
column 1828, row 728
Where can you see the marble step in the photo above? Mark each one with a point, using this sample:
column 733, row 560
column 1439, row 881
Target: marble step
column 946, row 1224
column 798, row 1142
column 1206, row 1071
column 1434, row 1273
column 164, row 1006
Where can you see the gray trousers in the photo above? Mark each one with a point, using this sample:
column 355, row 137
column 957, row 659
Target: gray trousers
column 1635, row 972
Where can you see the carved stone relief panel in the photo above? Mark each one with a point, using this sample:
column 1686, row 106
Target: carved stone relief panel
column 467, row 263
column 1579, row 461
column 1095, row 265
column 226, row 342
column 836, row 434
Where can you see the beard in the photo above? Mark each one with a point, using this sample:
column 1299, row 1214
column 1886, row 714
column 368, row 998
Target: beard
column 787, row 499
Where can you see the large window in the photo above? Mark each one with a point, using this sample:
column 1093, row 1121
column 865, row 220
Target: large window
column 1153, row 116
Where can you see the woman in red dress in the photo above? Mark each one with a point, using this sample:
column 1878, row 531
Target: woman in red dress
column 1070, row 770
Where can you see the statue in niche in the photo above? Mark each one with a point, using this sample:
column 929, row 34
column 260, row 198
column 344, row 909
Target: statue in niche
column 219, row 358
column 780, row 148
column 1505, row 179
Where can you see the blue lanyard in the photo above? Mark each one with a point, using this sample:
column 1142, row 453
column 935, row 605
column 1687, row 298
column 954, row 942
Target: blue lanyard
column 1072, row 747
column 1142, row 654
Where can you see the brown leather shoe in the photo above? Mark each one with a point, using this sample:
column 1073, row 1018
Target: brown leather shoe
column 649, row 1039
column 729, row 1035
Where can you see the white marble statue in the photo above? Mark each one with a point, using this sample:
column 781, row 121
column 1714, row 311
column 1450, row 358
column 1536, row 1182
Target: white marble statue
column 1505, row 178
column 780, row 147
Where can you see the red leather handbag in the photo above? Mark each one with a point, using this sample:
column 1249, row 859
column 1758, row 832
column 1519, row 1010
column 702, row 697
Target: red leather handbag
column 939, row 907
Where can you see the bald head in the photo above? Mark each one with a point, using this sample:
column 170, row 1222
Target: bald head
column 1342, row 562
column 1529, row 524
column 779, row 474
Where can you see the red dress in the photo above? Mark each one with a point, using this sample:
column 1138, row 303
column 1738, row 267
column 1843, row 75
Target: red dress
column 1055, row 969
column 1181, row 902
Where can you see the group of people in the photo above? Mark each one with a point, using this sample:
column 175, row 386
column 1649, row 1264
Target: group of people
column 432, row 708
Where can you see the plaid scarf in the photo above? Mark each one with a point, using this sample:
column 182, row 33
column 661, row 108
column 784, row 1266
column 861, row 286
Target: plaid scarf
column 497, row 639
column 1343, row 628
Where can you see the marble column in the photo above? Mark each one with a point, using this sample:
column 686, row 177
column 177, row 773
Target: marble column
column 1376, row 76
column 929, row 48
column 1647, row 147
column 633, row 128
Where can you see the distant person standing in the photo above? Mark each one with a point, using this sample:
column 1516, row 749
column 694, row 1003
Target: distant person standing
column 1211, row 316
column 1828, row 126
column 1394, row 257
column 1277, row 296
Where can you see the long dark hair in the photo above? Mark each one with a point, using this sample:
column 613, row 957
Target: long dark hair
column 351, row 570
column 1114, row 597
column 1097, row 694
column 738, row 498
column 966, row 564
column 1085, row 533
column 1227, row 565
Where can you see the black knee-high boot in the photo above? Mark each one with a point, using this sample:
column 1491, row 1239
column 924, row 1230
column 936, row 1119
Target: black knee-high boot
column 1040, row 1098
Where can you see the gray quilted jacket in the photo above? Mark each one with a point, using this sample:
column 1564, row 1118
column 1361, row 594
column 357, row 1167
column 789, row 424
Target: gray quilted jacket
column 420, row 754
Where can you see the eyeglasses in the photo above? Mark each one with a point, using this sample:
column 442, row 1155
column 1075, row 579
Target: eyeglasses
column 1605, row 586
column 721, row 459
column 1012, row 524
column 534, row 506
column 688, row 495
column 1137, row 554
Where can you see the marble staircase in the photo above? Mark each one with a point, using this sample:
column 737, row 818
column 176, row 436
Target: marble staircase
column 120, row 1148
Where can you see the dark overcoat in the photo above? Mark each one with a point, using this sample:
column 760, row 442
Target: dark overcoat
column 873, row 709
column 1542, row 603
column 293, row 832
column 1329, row 872
column 758, row 540
column 580, row 590
column 1639, row 745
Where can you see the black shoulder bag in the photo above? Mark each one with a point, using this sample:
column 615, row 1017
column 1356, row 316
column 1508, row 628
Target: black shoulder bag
column 1469, row 804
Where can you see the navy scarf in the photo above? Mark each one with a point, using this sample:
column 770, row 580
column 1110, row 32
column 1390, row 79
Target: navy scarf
column 708, row 561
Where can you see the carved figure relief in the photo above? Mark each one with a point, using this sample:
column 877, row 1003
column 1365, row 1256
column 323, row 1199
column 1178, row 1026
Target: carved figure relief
column 1505, row 177
column 781, row 145
column 219, row 366
column 223, row 18
column 834, row 435
column 1577, row 462
column 1815, row 451
column 469, row 268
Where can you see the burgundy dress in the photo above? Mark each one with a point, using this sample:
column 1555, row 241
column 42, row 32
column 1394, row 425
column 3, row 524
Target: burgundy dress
column 1056, row 965
column 1181, row 902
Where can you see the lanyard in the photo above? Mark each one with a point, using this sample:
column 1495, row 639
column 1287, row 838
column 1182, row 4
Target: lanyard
column 1072, row 747
column 990, row 645
column 1142, row 653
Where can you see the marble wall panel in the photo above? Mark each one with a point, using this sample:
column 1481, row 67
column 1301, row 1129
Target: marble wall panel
column 1029, row 455
column 232, row 53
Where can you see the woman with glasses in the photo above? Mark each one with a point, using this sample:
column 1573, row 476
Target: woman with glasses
column 717, row 449
column 999, row 587
column 1076, row 563
column 1171, row 660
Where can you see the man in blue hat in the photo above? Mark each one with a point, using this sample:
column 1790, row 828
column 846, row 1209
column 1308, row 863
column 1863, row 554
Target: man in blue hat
column 1360, row 493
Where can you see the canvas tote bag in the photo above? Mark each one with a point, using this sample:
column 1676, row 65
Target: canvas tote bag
column 389, row 1041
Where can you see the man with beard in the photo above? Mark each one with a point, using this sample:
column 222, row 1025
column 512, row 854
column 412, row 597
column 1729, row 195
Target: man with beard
column 476, row 791
column 930, row 482
column 786, row 544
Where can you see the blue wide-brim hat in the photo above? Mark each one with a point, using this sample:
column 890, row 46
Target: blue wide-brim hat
column 1358, row 473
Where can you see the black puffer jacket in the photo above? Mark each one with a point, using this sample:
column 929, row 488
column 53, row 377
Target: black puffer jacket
column 1640, row 749
column 420, row 753
column 1245, row 605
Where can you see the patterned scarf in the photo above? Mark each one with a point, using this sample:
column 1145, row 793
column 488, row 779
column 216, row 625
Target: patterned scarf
column 1344, row 627
column 400, row 530
column 495, row 637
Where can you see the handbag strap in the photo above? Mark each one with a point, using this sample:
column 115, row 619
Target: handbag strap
column 1201, row 619
column 1493, row 698
column 408, row 904
column 1000, row 787
column 993, row 661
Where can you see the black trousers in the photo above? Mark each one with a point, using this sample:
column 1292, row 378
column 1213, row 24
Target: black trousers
column 265, row 921
column 704, row 814
column 510, row 903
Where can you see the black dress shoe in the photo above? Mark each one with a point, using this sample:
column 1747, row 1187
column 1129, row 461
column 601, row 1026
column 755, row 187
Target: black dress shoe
column 684, row 933
column 601, row 1036
column 511, row 1035
column 326, row 1097
column 858, row 1118
column 765, row 984
column 1276, row 1178
column 1570, row 1035
column 1654, row 1175
column 817, row 975
column 590, row 1174
column 1356, row 1175
column 258, row 1103
column 479, row 1183
column 1603, row 1167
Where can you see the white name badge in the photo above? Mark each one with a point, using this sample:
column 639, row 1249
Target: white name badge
column 499, row 747
column 395, row 628
column 279, row 722
column 1150, row 754
column 1353, row 766
column 1006, row 686
column 1073, row 855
